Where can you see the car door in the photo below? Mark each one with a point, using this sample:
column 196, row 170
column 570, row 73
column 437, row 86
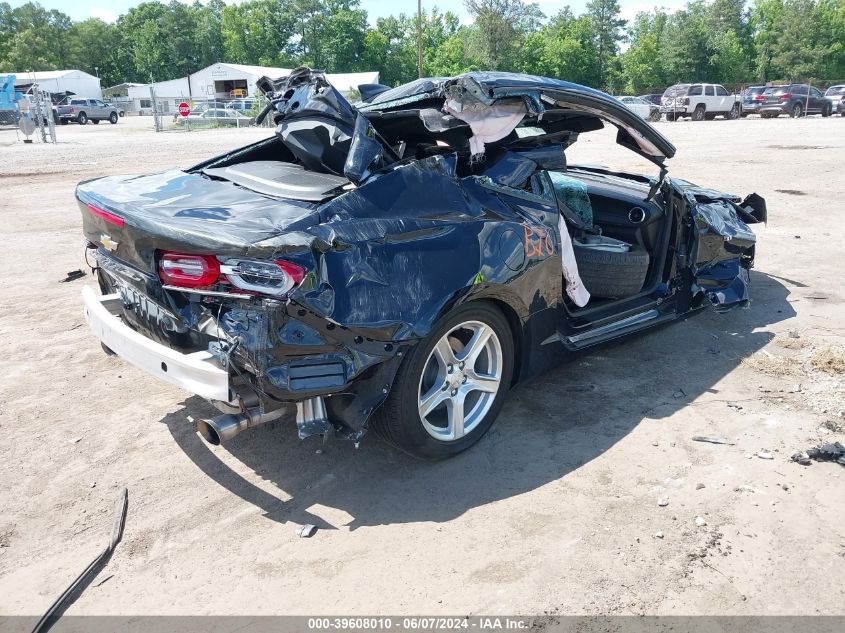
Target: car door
column 817, row 100
column 723, row 99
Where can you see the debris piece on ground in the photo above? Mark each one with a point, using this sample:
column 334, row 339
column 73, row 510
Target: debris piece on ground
column 84, row 579
column 765, row 455
column 663, row 502
column 700, row 522
column 104, row 580
column 801, row 458
column 74, row 440
column 655, row 444
column 744, row 488
column 658, row 535
column 680, row 393
column 712, row 439
column 785, row 486
column 306, row 531
column 73, row 275
column 833, row 452
column 794, row 334
column 699, row 486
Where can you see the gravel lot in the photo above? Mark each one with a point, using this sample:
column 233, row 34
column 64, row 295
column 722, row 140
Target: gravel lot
column 555, row 511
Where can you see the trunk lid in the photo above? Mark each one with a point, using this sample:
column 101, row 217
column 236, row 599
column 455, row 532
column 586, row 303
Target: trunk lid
column 186, row 212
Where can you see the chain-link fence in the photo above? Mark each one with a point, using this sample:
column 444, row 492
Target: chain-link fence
column 205, row 114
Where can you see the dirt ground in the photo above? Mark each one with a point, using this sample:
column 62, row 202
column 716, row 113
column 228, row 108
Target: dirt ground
column 554, row 511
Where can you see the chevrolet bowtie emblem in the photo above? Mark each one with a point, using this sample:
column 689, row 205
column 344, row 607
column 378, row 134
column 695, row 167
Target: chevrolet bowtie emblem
column 108, row 243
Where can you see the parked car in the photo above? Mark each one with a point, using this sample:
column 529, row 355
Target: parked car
column 796, row 100
column 241, row 105
column 394, row 266
column 84, row 110
column 222, row 117
column 653, row 98
column 699, row 102
column 841, row 107
column 835, row 94
column 642, row 107
column 752, row 99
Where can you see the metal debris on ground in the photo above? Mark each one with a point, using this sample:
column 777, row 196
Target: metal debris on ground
column 831, row 452
column 712, row 439
column 73, row 275
column 84, row 579
column 699, row 486
column 306, row 531
column 700, row 522
column 765, row 455
column 663, row 502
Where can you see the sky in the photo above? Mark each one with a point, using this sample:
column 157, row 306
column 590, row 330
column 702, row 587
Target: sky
column 109, row 10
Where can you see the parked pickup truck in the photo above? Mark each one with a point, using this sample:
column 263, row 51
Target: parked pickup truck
column 699, row 102
column 84, row 110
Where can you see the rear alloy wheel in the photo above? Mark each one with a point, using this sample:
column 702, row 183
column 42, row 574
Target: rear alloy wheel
column 113, row 118
column 451, row 386
column 733, row 114
column 82, row 119
column 698, row 113
column 797, row 111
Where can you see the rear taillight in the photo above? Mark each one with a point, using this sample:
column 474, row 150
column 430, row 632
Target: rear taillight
column 267, row 277
column 71, row 110
column 785, row 97
column 190, row 271
column 108, row 216
column 759, row 98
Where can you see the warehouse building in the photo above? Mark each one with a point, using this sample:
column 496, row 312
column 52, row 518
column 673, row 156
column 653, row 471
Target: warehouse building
column 219, row 82
column 73, row 82
column 228, row 81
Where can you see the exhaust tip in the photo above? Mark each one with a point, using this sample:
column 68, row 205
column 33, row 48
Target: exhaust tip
column 206, row 429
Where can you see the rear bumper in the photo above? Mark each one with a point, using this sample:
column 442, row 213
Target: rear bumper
column 199, row 372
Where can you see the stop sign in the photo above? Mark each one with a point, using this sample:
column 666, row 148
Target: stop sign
column 184, row 109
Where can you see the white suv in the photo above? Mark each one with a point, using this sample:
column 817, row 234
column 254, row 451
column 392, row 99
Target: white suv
column 699, row 101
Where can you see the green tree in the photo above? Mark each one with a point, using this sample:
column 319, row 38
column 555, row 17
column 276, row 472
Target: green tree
column 607, row 33
column 500, row 28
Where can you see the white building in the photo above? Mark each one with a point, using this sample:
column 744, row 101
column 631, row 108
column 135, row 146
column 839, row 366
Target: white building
column 227, row 81
column 136, row 98
column 218, row 82
column 76, row 82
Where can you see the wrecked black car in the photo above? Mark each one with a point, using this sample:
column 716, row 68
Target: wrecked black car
column 401, row 263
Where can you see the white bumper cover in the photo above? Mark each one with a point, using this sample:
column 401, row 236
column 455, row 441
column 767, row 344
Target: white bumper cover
column 197, row 372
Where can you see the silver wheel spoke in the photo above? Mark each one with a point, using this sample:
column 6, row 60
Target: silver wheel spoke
column 482, row 382
column 455, row 430
column 430, row 401
column 444, row 353
column 475, row 346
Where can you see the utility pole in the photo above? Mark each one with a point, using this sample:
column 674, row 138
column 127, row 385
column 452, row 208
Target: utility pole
column 419, row 38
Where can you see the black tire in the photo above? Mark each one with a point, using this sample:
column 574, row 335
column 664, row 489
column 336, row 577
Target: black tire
column 826, row 110
column 797, row 111
column 842, row 113
column 82, row 118
column 122, row 114
column 699, row 113
column 398, row 419
column 95, row 121
column 609, row 274
column 655, row 116
column 55, row 118
column 733, row 114
column 113, row 118
column 671, row 116
column 62, row 121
